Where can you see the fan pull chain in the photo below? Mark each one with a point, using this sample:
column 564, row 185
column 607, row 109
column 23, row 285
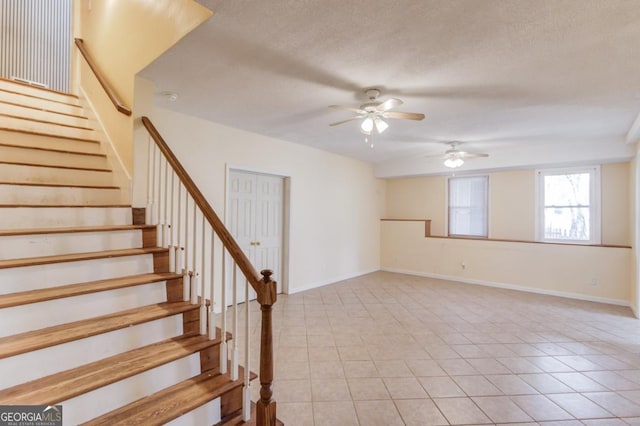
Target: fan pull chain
column 366, row 141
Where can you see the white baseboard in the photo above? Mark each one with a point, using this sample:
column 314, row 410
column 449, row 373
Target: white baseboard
column 333, row 280
column 516, row 287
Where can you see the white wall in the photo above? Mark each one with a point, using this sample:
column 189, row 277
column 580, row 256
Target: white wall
column 336, row 203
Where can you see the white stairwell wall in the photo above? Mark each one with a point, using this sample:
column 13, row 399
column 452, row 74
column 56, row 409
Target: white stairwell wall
column 36, row 193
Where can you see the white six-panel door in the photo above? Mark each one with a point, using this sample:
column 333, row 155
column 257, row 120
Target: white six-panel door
column 255, row 214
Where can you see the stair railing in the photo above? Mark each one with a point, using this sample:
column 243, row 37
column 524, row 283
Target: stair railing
column 108, row 88
column 210, row 260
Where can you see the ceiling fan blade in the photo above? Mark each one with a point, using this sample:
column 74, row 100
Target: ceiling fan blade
column 403, row 115
column 464, row 154
column 348, row 108
column 389, row 104
column 345, row 121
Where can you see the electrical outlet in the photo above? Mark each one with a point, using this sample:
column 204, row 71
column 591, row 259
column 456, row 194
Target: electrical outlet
column 594, row 281
column 463, row 265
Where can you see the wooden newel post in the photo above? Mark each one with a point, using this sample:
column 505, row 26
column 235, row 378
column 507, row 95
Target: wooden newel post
column 266, row 406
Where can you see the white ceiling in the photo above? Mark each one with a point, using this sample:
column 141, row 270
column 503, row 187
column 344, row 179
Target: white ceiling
column 527, row 81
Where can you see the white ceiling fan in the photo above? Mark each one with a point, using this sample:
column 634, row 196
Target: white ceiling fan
column 374, row 112
column 454, row 157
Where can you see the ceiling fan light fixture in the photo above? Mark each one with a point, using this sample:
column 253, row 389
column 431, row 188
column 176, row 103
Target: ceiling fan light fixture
column 367, row 126
column 453, row 162
column 381, row 125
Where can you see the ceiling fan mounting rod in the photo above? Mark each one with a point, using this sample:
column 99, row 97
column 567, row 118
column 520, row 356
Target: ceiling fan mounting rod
column 372, row 93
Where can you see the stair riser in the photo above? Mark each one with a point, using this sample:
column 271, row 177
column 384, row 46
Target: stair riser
column 57, row 196
column 27, row 217
column 35, row 91
column 39, row 103
column 41, row 115
column 51, row 158
column 207, row 414
column 35, row 316
column 13, row 280
column 32, row 365
column 19, row 99
column 35, row 126
column 38, row 141
column 92, row 404
column 35, row 174
column 22, row 246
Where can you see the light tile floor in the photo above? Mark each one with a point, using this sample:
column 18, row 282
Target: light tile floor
column 391, row 349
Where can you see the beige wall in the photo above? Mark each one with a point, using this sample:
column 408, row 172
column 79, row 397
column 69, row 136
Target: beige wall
column 594, row 273
column 634, row 199
column 616, row 207
column 124, row 36
column 418, row 198
column 511, row 203
column 586, row 272
column 336, row 203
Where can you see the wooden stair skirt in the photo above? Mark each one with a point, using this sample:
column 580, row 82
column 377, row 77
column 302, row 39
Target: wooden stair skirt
column 93, row 316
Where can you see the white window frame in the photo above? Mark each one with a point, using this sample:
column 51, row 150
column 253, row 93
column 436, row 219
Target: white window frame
column 448, row 207
column 595, row 226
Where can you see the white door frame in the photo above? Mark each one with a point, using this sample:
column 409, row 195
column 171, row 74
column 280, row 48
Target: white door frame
column 286, row 206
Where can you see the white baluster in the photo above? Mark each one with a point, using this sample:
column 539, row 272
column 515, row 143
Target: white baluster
column 157, row 168
column 203, row 301
column 178, row 230
column 195, row 280
column 172, row 258
column 151, row 164
column 224, row 352
column 235, row 353
column 212, row 307
column 185, row 284
column 212, row 321
column 246, row 403
column 165, row 221
column 195, row 237
column 186, row 240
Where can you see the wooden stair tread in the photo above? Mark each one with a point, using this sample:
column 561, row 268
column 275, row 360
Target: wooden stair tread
column 58, row 334
column 53, row 123
column 68, row 384
column 45, row 260
column 32, row 132
column 55, row 166
column 62, row 151
column 172, row 402
column 59, row 185
column 63, row 206
column 70, row 290
column 107, row 228
column 44, row 89
column 44, row 110
column 13, row 92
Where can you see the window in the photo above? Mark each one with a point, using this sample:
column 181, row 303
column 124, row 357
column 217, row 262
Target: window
column 468, row 206
column 569, row 205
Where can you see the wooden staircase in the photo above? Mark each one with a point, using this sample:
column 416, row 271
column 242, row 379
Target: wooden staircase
column 91, row 316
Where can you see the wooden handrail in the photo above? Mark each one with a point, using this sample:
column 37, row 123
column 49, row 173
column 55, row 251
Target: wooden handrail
column 218, row 226
column 101, row 78
column 265, row 288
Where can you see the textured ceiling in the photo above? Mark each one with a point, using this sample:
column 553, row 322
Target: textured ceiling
column 499, row 75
